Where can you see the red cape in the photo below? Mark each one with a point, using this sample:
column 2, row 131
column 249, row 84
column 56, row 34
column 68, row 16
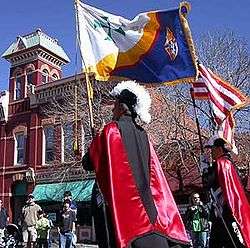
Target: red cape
column 234, row 195
column 117, row 184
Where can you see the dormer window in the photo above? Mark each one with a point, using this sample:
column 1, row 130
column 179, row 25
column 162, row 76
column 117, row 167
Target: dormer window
column 29, row 76
column 45, row 76
column 18, row 87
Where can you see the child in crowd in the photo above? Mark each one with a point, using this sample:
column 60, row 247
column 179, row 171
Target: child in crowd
column 42, row 227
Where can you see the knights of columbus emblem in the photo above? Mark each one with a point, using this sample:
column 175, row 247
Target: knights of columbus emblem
column 171, row 46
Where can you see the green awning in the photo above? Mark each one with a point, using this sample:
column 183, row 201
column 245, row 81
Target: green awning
column 80, row 190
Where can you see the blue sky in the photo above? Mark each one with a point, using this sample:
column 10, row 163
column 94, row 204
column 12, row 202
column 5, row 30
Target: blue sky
column 56, row 18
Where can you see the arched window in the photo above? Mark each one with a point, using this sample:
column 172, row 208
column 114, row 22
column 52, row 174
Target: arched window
column 54, row 77
column 29, row 76
column 45, row 76
column 18, row 86
column 20, row 143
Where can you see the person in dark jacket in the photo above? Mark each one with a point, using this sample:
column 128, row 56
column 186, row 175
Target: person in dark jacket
column 197, row 216
column 67, row 225
column 230, row 215
column 4, row 218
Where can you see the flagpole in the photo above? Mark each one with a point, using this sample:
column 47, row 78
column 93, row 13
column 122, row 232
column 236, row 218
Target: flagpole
column 197, row 120
column 89, row 89
column 221, row 216
column 202, row 152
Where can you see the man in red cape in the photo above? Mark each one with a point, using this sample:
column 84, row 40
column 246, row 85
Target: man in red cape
column 142, row 208
column 231, row 215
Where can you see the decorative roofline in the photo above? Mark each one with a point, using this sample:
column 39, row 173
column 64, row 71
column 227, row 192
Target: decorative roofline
column 44, row 92
column 31, row 55
column 40, row 32
column 37, row 39
column 52, row 173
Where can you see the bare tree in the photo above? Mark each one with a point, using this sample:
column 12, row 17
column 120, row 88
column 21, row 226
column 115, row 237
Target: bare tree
column 174, row 136
column 227, row 55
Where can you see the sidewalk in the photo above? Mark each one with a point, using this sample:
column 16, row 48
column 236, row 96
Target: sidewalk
column 77, row 246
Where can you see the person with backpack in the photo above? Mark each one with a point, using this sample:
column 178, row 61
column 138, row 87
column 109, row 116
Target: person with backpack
column 42, row 228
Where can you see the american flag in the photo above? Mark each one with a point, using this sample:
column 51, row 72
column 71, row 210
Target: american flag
column 223, row 98
column 200, row 90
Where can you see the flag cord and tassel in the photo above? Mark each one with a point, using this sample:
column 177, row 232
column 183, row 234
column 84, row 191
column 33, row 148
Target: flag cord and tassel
column 90, row 97
column 214, row 200
column 75, row 144
column 89, row 89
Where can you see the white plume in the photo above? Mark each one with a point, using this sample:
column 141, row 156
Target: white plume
column 143, row 103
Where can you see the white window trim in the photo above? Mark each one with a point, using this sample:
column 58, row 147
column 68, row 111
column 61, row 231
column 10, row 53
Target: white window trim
column 54, row 78
column 15, row 88
column 15, row 149
column 47, row 76
column 44, row 146
column 62, row 144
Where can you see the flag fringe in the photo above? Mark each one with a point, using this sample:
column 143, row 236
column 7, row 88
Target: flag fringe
column 167, row 83
column 188, row 35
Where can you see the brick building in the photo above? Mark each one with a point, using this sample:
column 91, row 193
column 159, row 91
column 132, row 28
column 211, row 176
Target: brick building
column 30, row 161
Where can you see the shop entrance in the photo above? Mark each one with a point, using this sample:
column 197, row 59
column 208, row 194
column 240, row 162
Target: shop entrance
column 19, row 194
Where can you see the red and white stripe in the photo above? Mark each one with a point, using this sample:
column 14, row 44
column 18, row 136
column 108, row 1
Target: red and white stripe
column 223, row 99
column 223, row 96
column 226, row 131
column 200, row 90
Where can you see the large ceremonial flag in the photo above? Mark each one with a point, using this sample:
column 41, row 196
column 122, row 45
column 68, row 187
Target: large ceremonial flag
column 223, row 99
column 154, row 47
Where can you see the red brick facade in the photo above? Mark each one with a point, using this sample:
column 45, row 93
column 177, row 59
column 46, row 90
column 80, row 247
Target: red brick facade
column 16, row 179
